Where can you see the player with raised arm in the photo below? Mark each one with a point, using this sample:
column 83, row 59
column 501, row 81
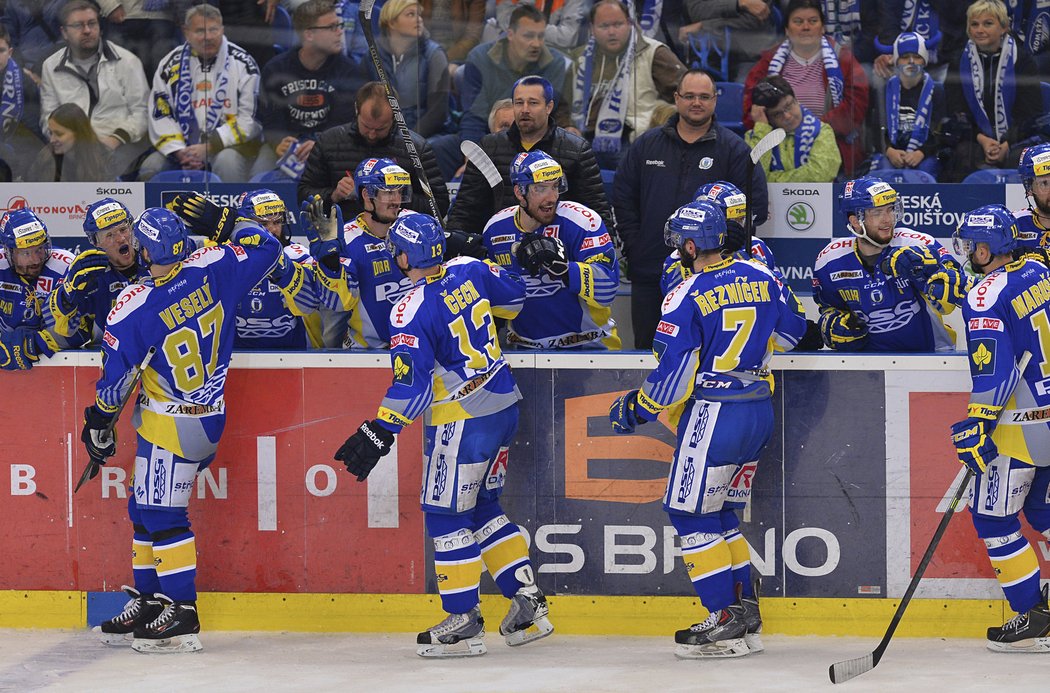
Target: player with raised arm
column 887, row 288
column 281, row 311
column 186, row 310
column 714, row 343
column 1005, row 439
column 448, row 368
column 30, row 270
column 358, row 286
column 1033, row 222
column 565, row 255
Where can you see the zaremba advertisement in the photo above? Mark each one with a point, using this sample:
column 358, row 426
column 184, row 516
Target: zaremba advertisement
column 845, row 498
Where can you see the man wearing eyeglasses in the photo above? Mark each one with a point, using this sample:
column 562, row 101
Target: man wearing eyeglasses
column 809, row 153
column 659, row 174
column 104, row 79
column 308, row 90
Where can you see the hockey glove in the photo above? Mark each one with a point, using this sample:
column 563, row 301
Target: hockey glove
column 736, row 238
column 203, row 217
column 537, row 253
column 625, row 413
column 812, row 340
column 948, row 288
column 463, row 243
column 842, row 330
column 98, row 447
column 19, row 349
column 912, row 262
column 83, row 275
column 972, row 437
column 324, row 231
column 363, row 450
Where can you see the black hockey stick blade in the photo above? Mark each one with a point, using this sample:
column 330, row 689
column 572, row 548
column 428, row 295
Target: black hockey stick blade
column 89, row 473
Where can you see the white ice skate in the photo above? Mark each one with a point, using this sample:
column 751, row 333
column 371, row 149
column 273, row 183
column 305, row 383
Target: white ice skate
column 459, row 635
column 526, row 620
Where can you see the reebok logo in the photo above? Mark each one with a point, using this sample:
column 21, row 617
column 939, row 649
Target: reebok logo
column 655, row 162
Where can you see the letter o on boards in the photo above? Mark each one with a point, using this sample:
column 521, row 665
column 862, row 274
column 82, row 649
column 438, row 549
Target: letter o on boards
column 790, row 551
column 329, row 484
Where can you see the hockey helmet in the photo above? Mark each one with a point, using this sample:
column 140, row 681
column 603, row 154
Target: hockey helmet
column 25, row 240
column 420, row 237
column 374, row 175
column 701, row 221
column 163, row 234
column 991, row 224
column 727, row 196
column 536, row 167
column 266, row 207
column 103, row 215
column 1035, row 162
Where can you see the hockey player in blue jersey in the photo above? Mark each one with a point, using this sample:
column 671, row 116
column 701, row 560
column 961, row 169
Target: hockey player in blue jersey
column 448, row 368
column 281, row 311
column 358, row 285
column 887, row 288
column 85, row 305
column 714, row 343
column 186, row 310
column 565, row 255
column 1033, row 222
column 1005, row 439
column 30, row 270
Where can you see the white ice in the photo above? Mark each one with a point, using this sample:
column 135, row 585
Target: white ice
column 62, row 660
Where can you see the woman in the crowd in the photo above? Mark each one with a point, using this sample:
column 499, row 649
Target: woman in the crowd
column 74, row 153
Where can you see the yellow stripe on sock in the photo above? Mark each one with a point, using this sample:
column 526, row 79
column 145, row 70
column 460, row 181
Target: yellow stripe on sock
column 504, row 553
column 1020, row 566
column 740, row 554
column 141, row 555
column 175, row 558
column 707, row 560
column 456, row 576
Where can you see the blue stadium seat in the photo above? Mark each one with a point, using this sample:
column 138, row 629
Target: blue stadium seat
column 283, row 34
column 704, row 52
column 988, row 176
column 607, row 181
column 903, row 175
column 272, row 176
column 179, row 176
column 729, row 109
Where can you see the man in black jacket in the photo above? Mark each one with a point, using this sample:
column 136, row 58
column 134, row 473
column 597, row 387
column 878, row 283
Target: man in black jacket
column 533, row 129
column 372, row 135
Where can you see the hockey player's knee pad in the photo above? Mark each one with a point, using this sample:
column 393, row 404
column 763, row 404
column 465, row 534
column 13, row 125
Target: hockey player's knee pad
column 440, row 524
column 160, row 520
column 992, row 527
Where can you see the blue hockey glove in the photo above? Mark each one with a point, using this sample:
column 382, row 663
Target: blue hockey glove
column 842, row 330
column 21, row 348
column 83, row 275
column 203, row 217
column 538, row 253
column 324, row 231
column 625, row 413
column 948, row 287
column 912, row 262
column 98, row 447
column 972, row 437
column 363, row 450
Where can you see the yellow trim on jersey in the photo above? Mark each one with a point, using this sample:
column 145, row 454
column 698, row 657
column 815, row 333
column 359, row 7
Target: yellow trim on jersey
column 1009, row 438
column 175, row 558
column 1010, row 570
column 314, row 331
column 393, row 417
column 507, row 551
column 457, row 576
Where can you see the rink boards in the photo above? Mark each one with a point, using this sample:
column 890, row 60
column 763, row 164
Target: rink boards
column 846, row 497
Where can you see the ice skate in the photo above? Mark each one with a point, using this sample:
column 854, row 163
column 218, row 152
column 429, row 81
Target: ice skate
column 752, row 618
column 1027, row 632
column 721, row 634
column 174, row 630
column 140, row 610
column 459, row 635
column 526, row 620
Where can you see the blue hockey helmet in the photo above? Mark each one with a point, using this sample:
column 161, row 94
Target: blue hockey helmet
column 420, row 237
column 266, row 207
column 163, row 234
column 991, row 224
column 104, row 215
column 864, row 194
column 1035, row 162
column 536, row 167
column 700, row 221
column 727, row 196
column 21, row 229
column 374, row 175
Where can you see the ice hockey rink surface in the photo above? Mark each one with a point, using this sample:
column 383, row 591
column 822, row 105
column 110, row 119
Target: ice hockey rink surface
column 65, row 660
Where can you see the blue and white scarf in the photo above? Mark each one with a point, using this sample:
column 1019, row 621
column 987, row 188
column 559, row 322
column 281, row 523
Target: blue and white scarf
column 12, row 98
column 918, row 16
column 608, row 127
column 920, row 131
column 842, row 17
column 972, row 76
column 805, row 137
column 291, row 165
column 652, row 11
column 1032, row 26
column 832, row 70
column 183, row 91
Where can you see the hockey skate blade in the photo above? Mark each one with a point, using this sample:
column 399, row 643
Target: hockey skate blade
column 180, row 643
column 1029, row 646
column 734, row 647
column 471, row 647
column 540, row 628
column 754, row 643
column 113, row 639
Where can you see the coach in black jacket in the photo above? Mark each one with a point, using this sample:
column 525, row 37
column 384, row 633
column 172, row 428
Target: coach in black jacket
column 372, row 135
column 474, row 205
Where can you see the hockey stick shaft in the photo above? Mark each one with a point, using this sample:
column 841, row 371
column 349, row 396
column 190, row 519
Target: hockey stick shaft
column 365, row 17
column 107, row 434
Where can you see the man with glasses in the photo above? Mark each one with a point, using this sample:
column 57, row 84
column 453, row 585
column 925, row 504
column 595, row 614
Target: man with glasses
column 307, row 90
column 809, row 153
column 104, row 79
column 888, row 288
column 659, row 173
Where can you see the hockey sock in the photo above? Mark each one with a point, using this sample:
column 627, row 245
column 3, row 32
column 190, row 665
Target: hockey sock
column 1017, row 569
column 504, row 550
column 457, row 566
column 175, row 554
column 142, row 565
column 741, row 556
column 709, row 562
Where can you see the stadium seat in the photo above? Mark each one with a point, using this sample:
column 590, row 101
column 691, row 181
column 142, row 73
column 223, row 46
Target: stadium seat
column 729, row 109
column 903, row 175
column 283, row 34
column 989, row 176
column 607, row 181
column 706, row 53
column 180, row 176
column 271, row 176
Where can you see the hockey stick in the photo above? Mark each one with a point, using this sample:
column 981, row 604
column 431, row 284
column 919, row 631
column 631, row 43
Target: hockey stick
column 761, row 148
column 851, row 668
column 477, row 156
column 364, row 15
column 91, row 470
